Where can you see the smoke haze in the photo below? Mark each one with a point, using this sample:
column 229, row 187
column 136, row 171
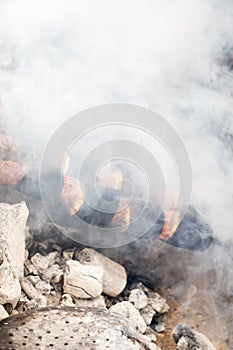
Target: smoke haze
column 58, row 58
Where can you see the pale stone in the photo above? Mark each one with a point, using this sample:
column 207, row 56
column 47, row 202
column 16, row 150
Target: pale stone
column 53, row 274
column 10, row 289
column 158, row 303
column 33, row 279
column 83, row 281
column 190, row 339
column 147, row 314
column 33, row 293
column 127, row 310
column 40, row 262
column 160, row 327
column 152, row 337
column 13, row 220
column 53, row 257
column 115, row 277
column 43, row 287
column 30, row 268
column 138, row 298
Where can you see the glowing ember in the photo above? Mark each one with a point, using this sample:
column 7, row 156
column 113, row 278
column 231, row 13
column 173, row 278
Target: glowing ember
column 171, row 223
column 72, row 195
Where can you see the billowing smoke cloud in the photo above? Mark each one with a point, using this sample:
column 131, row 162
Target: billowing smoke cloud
column 58, row 58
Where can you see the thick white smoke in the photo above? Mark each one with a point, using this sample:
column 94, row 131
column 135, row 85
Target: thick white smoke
column 60, row 57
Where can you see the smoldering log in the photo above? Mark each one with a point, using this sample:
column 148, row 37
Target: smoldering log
column 100, row 217
column 192, row 233
column 89, row 214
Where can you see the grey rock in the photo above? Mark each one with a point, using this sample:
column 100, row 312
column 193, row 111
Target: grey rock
column 127, row 310
column 33, row 293
column 31, row 304
column 188, row 339
column 53, row 257
column 155, row 304
column 158, row 303
column 115, row 277
column 152, row 337
column 43, row 262
column 13, row 220
column 33, row 279
column 40, row 262
column 29, row 268
column 10, row 289
column 147, row 314
column 53, row 274
column 29, row 289
column 138, row 298
column 160, row 327
column 43, row 287
column 83, row 281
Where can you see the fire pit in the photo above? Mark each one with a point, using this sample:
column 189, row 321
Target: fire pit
column 77, row 284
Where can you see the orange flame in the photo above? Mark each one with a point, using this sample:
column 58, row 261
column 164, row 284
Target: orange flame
column 171, row 222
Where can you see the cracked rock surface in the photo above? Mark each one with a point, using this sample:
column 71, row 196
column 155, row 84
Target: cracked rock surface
column 83, row 281
column 12, row 250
